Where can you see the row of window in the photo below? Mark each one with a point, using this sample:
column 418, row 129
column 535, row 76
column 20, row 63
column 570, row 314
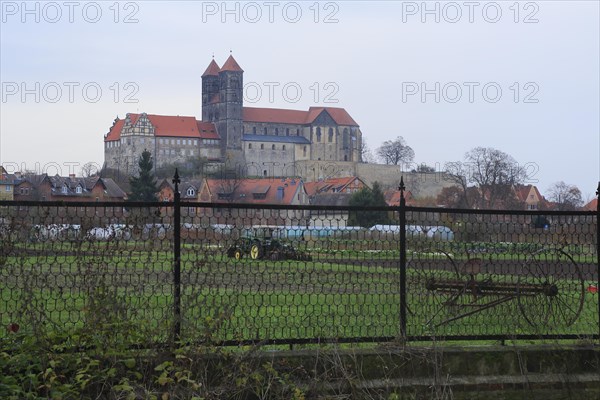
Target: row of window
column 274, row 147
column 262, row 146
column 163, row 141
column 65, row 189
column 179, row 142
column 265, row 131
column 173, row 152
column 330, row 133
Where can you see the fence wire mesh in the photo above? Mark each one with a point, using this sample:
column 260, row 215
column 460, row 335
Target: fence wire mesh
column 296, row 274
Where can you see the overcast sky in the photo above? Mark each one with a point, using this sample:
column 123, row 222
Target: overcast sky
column 447, row 76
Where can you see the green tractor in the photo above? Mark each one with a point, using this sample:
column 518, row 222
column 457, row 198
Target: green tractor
column 261, row 243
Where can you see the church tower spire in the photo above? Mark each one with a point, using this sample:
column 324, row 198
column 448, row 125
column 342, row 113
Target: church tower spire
column 210, row 88
column 230, row 125
column 222, row 103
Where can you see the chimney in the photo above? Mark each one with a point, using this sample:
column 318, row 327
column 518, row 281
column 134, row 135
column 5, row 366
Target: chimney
column 72, row 176
column 280, row 193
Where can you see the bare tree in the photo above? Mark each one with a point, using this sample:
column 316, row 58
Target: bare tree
column 229, row 180
column 567, row 197
column 90, row 169
column 492, row 171
column 458, row 173
column 394, row 152
column 366, row 155
column 424, row 169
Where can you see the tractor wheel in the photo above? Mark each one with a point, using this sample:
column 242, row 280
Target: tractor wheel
column 256, row 252
column 238, row 254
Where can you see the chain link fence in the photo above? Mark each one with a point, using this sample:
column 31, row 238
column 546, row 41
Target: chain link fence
column 230, row 273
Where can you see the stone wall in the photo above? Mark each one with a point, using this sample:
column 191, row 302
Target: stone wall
column 419, row 184
column 267, row 159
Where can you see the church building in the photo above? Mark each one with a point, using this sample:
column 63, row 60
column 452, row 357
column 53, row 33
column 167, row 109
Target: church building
column 266, row 142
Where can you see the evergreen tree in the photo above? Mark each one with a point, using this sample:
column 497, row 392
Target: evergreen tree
column 368, row 198
column 143, row 187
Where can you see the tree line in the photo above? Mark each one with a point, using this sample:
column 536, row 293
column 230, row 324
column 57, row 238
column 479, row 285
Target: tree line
column 485, row 178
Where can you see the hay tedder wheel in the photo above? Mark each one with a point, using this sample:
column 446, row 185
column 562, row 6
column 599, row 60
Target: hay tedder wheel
column 551, row 290
column 432, row 267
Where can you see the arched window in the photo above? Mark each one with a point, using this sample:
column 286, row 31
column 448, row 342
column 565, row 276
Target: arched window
column 283, row 147
column 345, row 139
column 287, row 131
column 318, row 134
column 297, row 132
column 345, row 157
column 190, row 192
column 304, row 151
column 262, row 146
column 277, row 131
column 330, row 135
column 249, row 145
column 254, row 130
column 272, row 147
column 265, row 131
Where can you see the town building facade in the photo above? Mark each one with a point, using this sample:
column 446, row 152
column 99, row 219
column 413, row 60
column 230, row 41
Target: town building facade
column 7, row 185
column 66, row 188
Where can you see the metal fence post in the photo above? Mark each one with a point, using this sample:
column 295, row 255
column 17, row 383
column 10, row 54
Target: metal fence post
column 402, row 211
column 598, row 247
column 177, row 258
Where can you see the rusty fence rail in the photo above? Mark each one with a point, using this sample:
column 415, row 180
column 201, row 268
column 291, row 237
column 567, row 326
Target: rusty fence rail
column 235, row 273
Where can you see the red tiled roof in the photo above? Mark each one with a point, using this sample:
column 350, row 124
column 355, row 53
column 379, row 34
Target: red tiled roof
column 115, row 131
column 172, row 126
column 522, row 192
column 592, row 205
column 339, row 115
column 169, row 126
column 297, row 117
column 213, row 69
column 277, row 115
column 328, row 185
column 311, row 188
column 231, row 65
column 207, row 130
column 244, row 189
column 392, row 197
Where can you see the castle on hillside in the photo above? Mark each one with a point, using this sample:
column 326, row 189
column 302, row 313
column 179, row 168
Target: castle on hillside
column 267, row 142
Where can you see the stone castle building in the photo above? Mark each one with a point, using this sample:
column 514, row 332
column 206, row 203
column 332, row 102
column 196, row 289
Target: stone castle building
column 317, row 143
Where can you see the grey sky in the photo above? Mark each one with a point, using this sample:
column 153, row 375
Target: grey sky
column 364, row 55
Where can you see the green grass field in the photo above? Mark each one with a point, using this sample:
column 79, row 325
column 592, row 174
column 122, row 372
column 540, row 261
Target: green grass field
column 345, row 292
